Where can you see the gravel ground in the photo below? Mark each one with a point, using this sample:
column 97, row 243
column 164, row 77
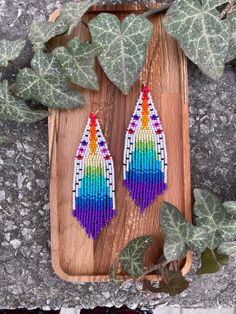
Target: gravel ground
column 26, row 276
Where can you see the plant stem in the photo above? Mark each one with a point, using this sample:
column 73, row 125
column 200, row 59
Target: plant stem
column 150, row 270
column 13, row 64
column 85, row 24
column 156, row 10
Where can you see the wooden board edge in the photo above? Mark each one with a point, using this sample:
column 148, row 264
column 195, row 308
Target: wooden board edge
column 113, row 8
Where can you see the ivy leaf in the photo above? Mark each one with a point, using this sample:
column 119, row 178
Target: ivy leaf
column 123, row 46
column 179, row 234
column 131, row 257
column 211, row 262
column 172, row 283
column 113, row 275
column 46, row 83
column 5, row 139
column 212, row 216
column 232, row 46
column 71, row 13
column 202, row 35
column 10, row 50
column 15, row 109
column 230, row 207
column 78, row 62
column 227, row 248
column 41, row 32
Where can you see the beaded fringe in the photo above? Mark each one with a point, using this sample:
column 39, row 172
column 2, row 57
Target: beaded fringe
column 94, row 184
column 145, row 155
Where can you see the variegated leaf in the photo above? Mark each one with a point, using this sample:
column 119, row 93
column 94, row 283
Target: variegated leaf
column 70, row 16
column 72, row 12
column 227, row 248
column 10, row 50
column 123, row 46
column 15, row 109
column 41, row 32
column 232, row 46
column 179, row 234
column 202, row 34
column 78, row 62
column 46, row 83
column 211, row 215
column 131, row 257
column 230, row 207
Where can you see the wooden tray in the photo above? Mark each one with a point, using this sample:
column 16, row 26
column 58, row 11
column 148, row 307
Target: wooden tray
column 74, row 256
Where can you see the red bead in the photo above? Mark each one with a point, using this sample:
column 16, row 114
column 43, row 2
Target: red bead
column 107, row 157
column 79, row 157
column 159, row 131
column 131, row 131
column 93, row 118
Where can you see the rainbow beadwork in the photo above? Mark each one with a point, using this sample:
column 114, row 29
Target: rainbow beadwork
column 145, row 155
column 94, row 184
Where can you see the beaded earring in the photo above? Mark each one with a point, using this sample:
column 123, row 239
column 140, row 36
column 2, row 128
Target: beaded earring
column 145, row 155
column 94, row 183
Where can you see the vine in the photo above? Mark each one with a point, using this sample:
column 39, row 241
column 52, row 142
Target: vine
column 214, row 236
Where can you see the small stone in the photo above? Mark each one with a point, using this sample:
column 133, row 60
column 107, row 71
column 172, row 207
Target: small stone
column 15, row 243
column 20, row 180
column 106, row 294
column 2, row 195
column 7, row 236
column 46, row 206
column 41, row 183
column 4, row 243
column 27, row 233
column 10, row 153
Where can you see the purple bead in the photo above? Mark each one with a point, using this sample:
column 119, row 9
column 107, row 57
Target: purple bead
column 136, row 117
column 84, row 143
column 102, row 143
column 154, row 117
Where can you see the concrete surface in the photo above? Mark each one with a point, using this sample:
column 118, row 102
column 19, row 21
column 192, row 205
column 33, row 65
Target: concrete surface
column 26, row 276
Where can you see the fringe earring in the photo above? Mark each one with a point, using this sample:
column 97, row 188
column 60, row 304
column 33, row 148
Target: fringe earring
column 145, row 155
column 94, row 183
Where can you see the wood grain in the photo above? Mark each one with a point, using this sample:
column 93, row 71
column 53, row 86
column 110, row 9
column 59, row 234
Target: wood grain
column 74, row 256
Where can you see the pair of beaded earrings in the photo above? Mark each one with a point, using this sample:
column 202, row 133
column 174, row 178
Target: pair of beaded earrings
column 144, row 165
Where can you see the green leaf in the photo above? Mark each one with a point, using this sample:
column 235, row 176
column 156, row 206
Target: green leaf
column 230, row 207
column 211, row 215
column 46, row 83
column 172, row 283
column 41, row 32
column 10, row 50
column 179, row 234
column 71, row 12
column 232, row 46
column 123, row 46
column 211, row 262
column 15, row 109
column 131, row 257
column 78, row 62
column 5, row 139
column 227, row 248
column 202, row 35
column 113, row 276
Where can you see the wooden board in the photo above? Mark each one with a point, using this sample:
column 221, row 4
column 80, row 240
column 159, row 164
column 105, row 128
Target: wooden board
column 74, row 256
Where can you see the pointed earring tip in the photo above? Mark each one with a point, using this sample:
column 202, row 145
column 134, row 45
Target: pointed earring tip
column 92, row 116
column 145, row 88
